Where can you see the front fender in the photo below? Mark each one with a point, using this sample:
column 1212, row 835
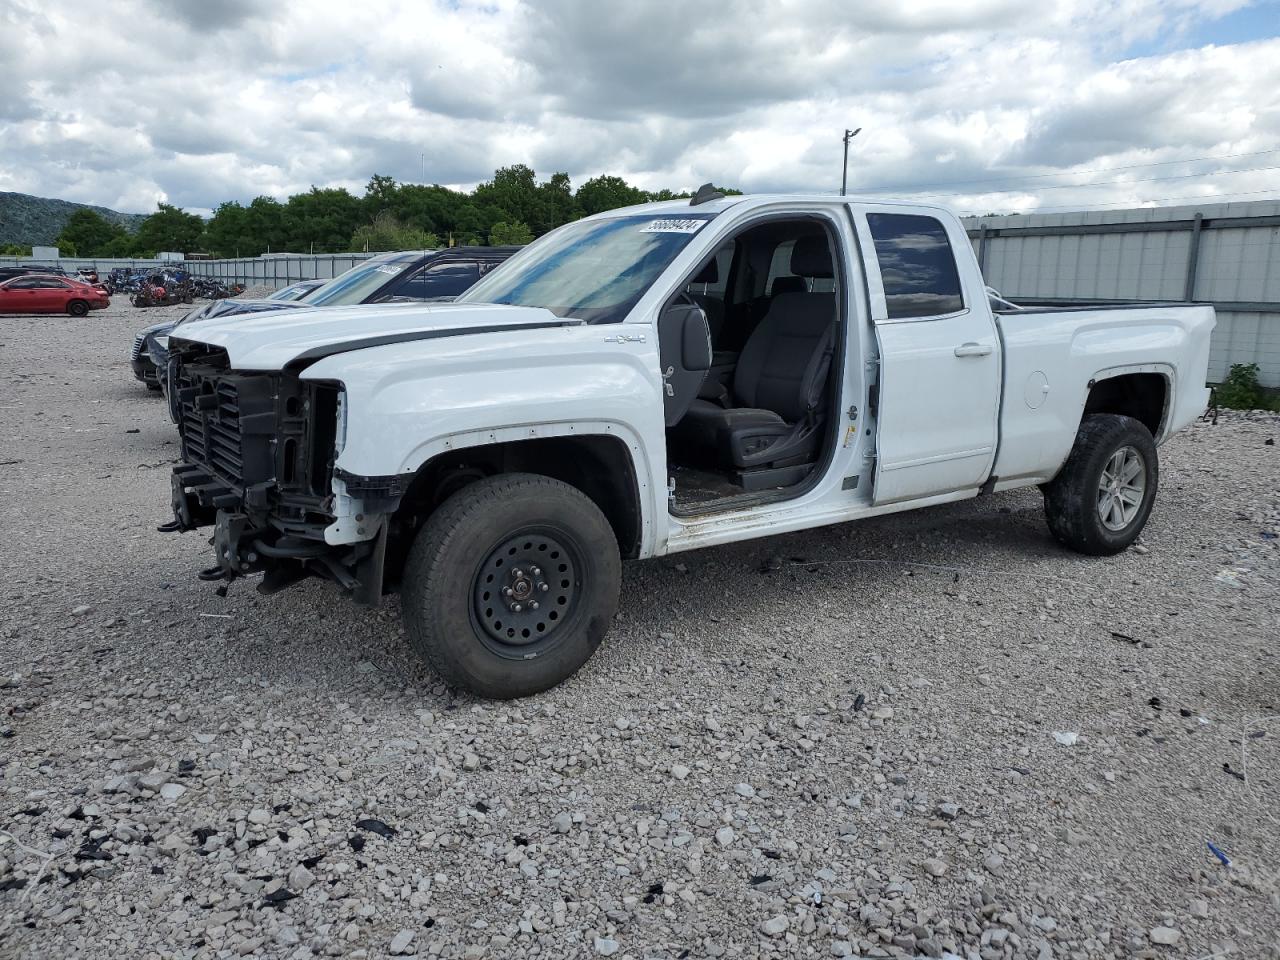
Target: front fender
column 407, row 403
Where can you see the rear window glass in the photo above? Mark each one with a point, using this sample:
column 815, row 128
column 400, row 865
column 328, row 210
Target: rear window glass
column 917, row 266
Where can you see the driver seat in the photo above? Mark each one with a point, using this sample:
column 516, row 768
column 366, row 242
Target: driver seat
column 779, row 386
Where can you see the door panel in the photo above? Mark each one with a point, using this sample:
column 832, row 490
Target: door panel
column 56, row 296
column 49, row 296
column 22, row 296
column 937, row 410
column 940, row 363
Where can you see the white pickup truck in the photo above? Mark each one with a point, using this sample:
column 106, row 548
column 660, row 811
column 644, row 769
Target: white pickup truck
column 650, row 380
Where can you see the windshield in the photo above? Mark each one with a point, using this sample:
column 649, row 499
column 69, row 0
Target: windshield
column 592, row 270
column 291, row 292
column 358, row 283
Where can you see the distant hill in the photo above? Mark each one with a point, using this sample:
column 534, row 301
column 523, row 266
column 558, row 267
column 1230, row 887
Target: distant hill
column 30, row 220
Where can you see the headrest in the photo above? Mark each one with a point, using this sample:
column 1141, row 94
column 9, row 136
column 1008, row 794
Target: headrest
column 788, row 285
column 811, row 257
column 708, row 274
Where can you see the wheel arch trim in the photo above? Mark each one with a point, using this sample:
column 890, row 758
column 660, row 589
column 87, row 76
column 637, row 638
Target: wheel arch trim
column 1165, row 370
column 641, row 475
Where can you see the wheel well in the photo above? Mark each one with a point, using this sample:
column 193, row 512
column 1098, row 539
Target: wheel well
column 1139, row 395
column 599, row 466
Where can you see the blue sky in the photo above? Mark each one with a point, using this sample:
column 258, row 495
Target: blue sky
column 1257, row 21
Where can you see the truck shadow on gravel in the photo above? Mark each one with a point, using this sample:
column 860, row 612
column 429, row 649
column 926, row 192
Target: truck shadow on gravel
column 701, row 601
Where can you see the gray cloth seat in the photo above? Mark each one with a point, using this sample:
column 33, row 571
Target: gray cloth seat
column 779, row 383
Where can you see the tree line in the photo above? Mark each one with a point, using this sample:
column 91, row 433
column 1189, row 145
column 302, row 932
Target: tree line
column 513, row 207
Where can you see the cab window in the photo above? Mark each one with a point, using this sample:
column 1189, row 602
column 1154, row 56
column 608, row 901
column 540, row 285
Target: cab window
column 446, row 279
column 917, row 266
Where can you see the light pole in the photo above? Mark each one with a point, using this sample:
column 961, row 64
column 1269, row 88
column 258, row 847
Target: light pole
column 844, row 176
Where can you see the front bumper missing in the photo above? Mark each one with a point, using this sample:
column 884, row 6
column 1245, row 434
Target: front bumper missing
column 248, row 541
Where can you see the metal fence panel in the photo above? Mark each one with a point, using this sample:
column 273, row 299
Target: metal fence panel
column 271, row 271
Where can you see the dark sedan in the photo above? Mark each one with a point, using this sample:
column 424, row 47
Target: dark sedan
column 405, row 275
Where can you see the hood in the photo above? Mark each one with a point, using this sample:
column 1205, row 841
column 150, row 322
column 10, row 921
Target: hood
column 164, row 326
column 276, row 340
column 232, row 307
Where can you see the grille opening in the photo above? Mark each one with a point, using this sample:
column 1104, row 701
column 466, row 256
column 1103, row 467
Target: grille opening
column 288, row 468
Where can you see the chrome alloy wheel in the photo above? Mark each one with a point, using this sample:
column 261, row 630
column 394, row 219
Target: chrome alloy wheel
column 1121, row 488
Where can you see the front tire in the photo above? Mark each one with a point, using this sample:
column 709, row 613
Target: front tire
column 78, row 308
column 1101, row 499
column 511, row 585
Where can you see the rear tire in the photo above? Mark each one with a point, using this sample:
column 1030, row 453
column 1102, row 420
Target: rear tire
column 1101, row 499
column 511, row 585
column 78, row 308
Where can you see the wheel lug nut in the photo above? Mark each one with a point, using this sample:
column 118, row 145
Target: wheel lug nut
column 543, row 587
column 537, row 572
column 517, row 574
column 516, row 608
column 507, row 591
column 533, row 604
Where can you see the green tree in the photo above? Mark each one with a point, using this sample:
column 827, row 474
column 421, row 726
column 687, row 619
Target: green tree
column 227, row 232
column 380, row 194
column 511, row 195
column 557, row 196
column 607, row 193
column 240, row 231
column 264, row 226
column 334, row 219
column 321, row 220
column 169, row 228
column 121, row 246
column 385, row 232
column 88, row 234
column 14, row 250
column 503, row 233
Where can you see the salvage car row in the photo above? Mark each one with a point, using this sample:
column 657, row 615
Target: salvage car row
column 646, row 381
column 405, row 276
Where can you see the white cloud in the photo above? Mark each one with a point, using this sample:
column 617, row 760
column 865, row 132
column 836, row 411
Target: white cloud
column 126, row 103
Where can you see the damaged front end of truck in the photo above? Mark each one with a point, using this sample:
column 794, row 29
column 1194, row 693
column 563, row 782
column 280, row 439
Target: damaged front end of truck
column 258, row 465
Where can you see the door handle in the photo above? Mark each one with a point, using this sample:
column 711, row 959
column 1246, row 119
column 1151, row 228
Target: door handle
column 972, row 349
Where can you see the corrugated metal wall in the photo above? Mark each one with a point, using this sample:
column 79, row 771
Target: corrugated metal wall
column 1227, row 254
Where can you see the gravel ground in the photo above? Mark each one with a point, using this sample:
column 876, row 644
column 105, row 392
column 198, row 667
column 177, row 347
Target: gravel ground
column 843, row 742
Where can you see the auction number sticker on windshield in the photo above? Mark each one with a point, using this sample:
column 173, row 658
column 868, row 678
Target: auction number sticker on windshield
column 393, row 270
column 672, row 226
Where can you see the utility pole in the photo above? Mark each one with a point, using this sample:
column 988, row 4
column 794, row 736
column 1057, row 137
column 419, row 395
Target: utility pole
column 844, row 177
column 423, row 181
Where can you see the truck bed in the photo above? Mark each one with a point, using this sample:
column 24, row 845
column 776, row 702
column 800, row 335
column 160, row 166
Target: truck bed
column 1053, row 356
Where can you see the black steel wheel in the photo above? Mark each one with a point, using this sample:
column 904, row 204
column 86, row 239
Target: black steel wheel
column 77, row 308
column 511, row 584
column 525, row 590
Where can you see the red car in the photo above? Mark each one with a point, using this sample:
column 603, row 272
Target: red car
column 44, row 293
